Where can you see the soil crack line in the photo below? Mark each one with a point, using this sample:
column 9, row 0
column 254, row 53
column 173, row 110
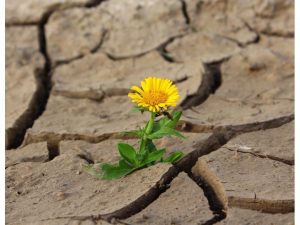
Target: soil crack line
column 240, row 44
column 262, row 205
column 91, row 51
column 15, row 137
column 269, row 33
column 264, row 125
column 50, row 136
column 53, row 8
column 185, row 12
column 277, row 34
column 212, row 80
column 162, row 49
column 264, row 156
column 15, row 134
column 53, row 149
column 99, row 94
column 212, row 187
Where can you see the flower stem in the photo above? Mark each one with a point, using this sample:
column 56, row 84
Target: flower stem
column 150, row 125
column 148, row 130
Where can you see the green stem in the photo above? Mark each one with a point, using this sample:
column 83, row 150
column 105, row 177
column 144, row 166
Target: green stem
column 150, row 125
column 147, row 132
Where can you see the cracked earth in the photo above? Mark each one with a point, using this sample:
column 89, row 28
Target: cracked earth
column 69, row 67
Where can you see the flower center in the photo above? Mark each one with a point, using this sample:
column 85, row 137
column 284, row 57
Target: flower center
column 154, row 98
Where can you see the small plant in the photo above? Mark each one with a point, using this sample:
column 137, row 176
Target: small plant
column 155, row 96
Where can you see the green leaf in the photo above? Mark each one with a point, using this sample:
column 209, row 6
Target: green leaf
column 138, row 133
column 90, row 169
column 166, row 122
column 165, row 131
column 141, row 156
column 173, row 157
column 124, row 164
column 116, row 171
column 128, row 153
column 154, row 156
column 150, row 147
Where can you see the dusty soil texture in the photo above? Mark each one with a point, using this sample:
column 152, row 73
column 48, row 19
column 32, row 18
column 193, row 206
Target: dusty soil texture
column 69, row 67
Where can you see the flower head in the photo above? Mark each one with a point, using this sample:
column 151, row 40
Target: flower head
column 155, row 94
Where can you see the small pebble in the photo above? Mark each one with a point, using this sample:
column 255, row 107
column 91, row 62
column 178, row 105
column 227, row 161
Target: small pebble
column 60, row 196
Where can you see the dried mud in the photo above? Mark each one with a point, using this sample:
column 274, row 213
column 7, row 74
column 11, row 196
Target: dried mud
column 69, row 67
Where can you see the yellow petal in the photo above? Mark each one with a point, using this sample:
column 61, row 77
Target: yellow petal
column 157, row 108
column 151, row 108
column 144, row 86
column 137, row 89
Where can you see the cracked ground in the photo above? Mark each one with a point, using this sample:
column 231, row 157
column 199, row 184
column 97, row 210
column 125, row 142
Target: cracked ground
column 69, row 67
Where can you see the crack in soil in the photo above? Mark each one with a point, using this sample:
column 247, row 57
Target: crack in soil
column 50, row 136
column 185, row 12
column 255, row 40
column 187, row 126
column 25, row 160
column 262, row 205
column 264, row 156
column 56, row 7
column 256, row 126
column 162, row 48
column 214, row 220
column 240, row 44
column 212, row 187
column 95, row 95
column 53, row 149
column 94, row 3
column 269, row 33
column 78, row 57
column 99, row 94
column 278, row 34
column 85, row 156
column 80, row 219
column 14, row 135
column 212, row 79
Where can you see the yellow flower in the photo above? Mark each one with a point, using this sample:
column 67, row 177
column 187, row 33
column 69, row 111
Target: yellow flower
column 155, row 94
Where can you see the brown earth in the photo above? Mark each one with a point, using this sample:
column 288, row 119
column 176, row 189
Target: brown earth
column 69, row 66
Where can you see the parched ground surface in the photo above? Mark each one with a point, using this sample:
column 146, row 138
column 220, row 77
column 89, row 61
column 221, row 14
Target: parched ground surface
column 69, row 67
